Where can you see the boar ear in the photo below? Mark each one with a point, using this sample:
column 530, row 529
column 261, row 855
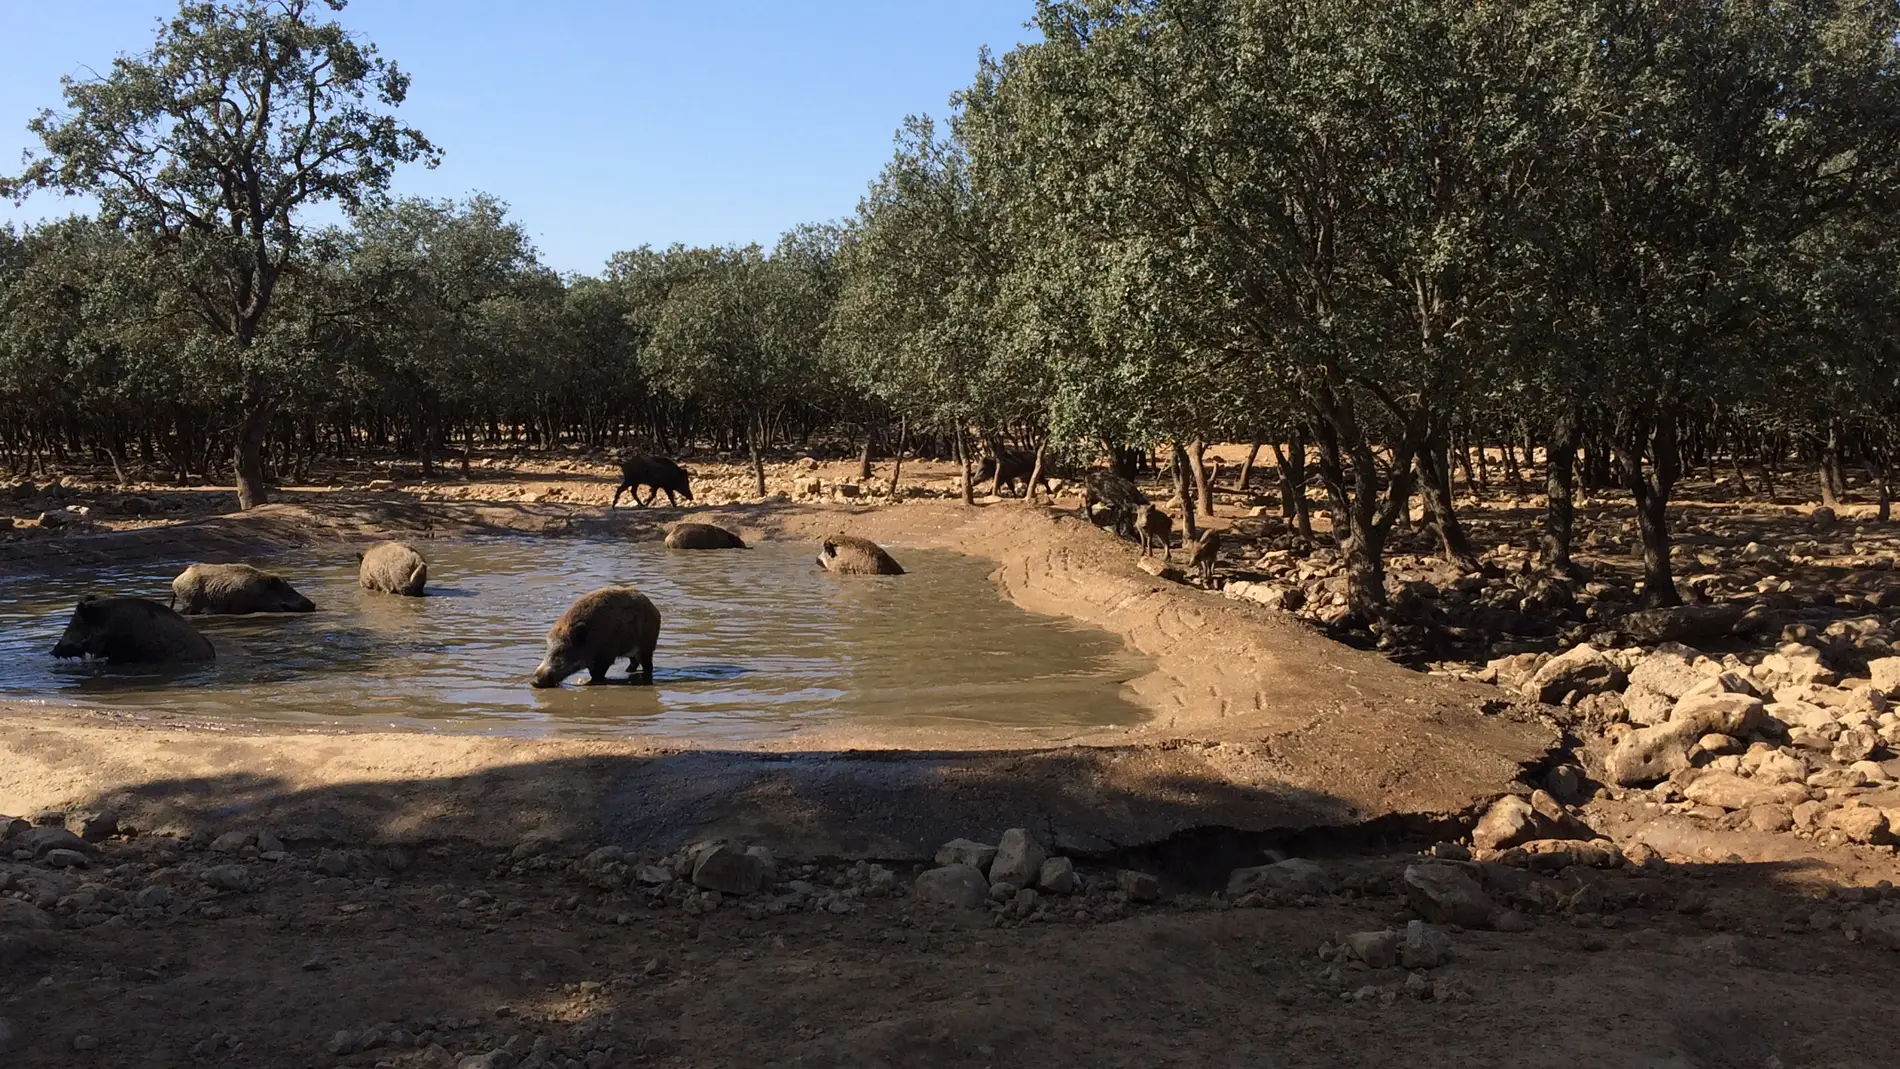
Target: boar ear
column 88, row 606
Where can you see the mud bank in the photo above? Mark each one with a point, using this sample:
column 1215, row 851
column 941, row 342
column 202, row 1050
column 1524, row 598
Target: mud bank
column 1260, row 723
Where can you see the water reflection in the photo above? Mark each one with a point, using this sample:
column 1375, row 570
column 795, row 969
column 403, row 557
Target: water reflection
column 756, row 642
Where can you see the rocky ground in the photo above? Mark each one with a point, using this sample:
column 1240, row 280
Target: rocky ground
column 1699, row 876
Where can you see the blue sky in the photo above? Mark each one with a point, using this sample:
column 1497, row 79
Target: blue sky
column 604, row 125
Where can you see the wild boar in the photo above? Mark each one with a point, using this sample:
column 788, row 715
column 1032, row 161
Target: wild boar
column 843, row 554
column 234, row 589
column 131, row 631
column 702, row 536
column 598, row 629
column 1206, row 550
column 1108, row 500
column 392, row 568
column 659, row 473
column 1154, row 528
column 1014, row 467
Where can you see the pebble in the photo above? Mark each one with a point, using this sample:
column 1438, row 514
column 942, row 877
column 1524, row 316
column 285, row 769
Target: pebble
column 1138, row 886
column 1423, row 946
column 1443, row 893
column 85, row 1042
column 67, row 859
column 229, row 878
column 157, row 896
column 727, row 867
column 333, row 863
column 1380, row 949
column 230, row 842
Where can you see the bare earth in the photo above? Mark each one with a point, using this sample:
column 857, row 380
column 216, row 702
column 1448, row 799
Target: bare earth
column 425, row 900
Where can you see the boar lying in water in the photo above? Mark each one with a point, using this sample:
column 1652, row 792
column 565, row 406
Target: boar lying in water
column 702, row 536
column 234, row 589
column 843, row 554
column 393, row 568
column 131, row 631
column 597, row 629
column 656, row 472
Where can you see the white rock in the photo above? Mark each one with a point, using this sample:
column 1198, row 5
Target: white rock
column 1019, row 859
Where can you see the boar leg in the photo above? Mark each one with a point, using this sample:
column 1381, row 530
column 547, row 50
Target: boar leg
column 615, row 503
column 642, row 666
column 597, row 672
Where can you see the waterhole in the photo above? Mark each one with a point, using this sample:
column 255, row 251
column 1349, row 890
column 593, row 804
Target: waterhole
column 755, row 643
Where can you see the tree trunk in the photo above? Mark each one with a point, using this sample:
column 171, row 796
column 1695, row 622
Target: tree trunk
column 864, row 459
column 1181, row 467
column 963, row 464
column 1354, row 531
column 754, row 432
column 1035, row 474
column 248, row 457
column 1833, row 479
column 1196, row 456
column 1652, row 499
column 897, row 455
column 1246, row 467
column 1294, row 507
column 1560, row 473
column 1434, row 481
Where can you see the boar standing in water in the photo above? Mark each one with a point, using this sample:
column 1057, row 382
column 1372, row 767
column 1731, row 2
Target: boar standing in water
column 131, row 631
column 598, row 629
column 234, row 589
column 659, row 473
column 843, row 554
column 702, row 536
column 392, row 568
column 1155, row 528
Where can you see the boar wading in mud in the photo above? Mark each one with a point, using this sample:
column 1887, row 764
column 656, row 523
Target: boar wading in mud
column 1108, row 500
column 843, row 554
column 596, row 630
column 659, row 473
column 1155, row 527
column 392, row 568
column 1014, row 468
column 234, row 590
column 131, row 631
column 702, row 536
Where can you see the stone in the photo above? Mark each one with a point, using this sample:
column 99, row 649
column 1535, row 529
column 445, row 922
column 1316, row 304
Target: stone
column 1565, row 783
column 230, row 842
column 25, row 932
column 1583, row 670
column 1771, row 818
column 1652, row 627
column 157, row 896
column 1444, row 894
column 966, row 852
column 1377, row 949
column 1138, row 886
column 1855, row 744
column 1649, row 754
column 1018, row 860
column 67, row 859
column 1509, row 821
column 499, row 1058
column 333, row 863
column 1669, row 671
column 84, row 1042
column 1886, row 676
column 1550, row 855
column 1858, row 824
column 1645, row 707
column 1778, row 766
column 229, row 878
column 341, row 1042
column 47, row 837
column 9, row 1038
column 959, row 885
column 98, row 827
column 1423, row 946
column 1719, row 744
column 269, row 844
column 728, row 868
column 1292, row 877
column 1729, row 791
column 1057, row 876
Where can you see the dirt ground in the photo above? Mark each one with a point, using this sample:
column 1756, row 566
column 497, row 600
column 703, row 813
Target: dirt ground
column 182, row 895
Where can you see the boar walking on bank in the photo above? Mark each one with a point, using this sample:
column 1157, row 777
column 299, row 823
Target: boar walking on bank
column 843, row 554
column 392, row 568
column 1155, row 528
column 1009, row 469
column 597, row 630
column 234, row 590
column 1205, row 551
column 131, row 631
column 1108, row 500
column 702, row 536
column 657, row 473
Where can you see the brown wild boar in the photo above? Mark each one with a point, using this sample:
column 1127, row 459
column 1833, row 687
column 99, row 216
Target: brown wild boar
column 131, row 631
column 1154, row 527
column 702, row 536
column 1206, row 550
column 843, row 554
column 392, row 568
column 598, row 629
column 234, row 589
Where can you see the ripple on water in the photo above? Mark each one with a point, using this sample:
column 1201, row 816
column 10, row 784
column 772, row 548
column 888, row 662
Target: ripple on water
column 755, row 643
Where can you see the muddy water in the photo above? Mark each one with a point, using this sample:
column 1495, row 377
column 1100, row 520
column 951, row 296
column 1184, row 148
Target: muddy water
column 754, row 644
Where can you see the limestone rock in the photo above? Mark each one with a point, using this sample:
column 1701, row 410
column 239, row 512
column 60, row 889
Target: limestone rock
column 1138, row 886
column 1446, row 895
column 729, row 868
column 1057, row 876
column 1377, row 949
column 959, row 885
column 25, row 932
column 1886, row 675
column 1583, row 670
column 229, row 878
column 1292, row 877
column 1423, row 946
column 1669, row 671
column 1019, row 859
column 1550, row 855
column 966, row 852
column 1858, row 824
column 1648, row 754
column 1729, row 791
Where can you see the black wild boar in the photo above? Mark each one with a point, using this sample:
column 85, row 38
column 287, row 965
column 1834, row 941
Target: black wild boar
column 702, row 536
column 131, row 631
column 843, row 554
column 1154, row 528
column 659, row 473
column 1015, row 468
column 392, row 568
column 1108, row 500
column 597, row 629
column 234, row 589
